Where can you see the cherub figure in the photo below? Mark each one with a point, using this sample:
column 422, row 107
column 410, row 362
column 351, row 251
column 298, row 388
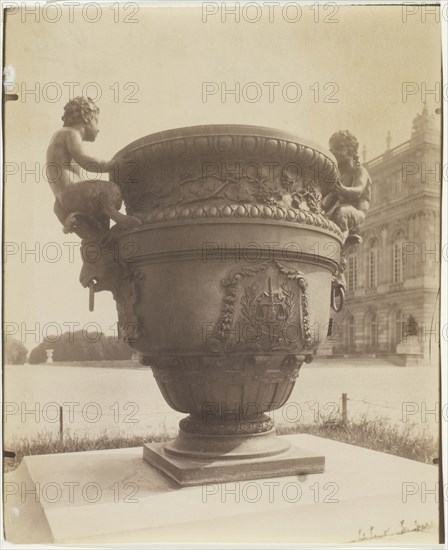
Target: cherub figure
column 349, row 200
column 82, row 204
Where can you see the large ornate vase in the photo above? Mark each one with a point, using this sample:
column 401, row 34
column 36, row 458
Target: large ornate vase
column 227, row 288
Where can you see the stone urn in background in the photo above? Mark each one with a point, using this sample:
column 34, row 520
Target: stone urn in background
column 226, row 288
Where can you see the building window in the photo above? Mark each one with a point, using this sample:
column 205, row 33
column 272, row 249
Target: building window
column 398, row 258
column 372, row 271
column 373, row 332
column 389, row 185
column 398, row 183
column 352, row 273
column 373, row 191
column 351, row 333
column 398, row 326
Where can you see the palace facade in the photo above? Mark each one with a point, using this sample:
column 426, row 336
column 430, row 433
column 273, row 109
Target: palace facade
column 393, row 277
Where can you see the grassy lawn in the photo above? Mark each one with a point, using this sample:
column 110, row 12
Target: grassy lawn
column 376, row 434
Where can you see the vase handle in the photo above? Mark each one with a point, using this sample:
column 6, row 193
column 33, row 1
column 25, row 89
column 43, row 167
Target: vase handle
column 337, row 290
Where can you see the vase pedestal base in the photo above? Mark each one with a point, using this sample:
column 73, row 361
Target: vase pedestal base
column 189, row 471
column 140, row 505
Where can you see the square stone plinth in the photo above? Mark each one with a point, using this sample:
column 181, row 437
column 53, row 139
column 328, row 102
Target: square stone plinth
column 115, row 496
column 187, row 472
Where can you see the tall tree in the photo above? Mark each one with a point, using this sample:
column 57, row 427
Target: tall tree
column 15, row 352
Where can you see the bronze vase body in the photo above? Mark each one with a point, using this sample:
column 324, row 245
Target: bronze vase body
column 229, row 279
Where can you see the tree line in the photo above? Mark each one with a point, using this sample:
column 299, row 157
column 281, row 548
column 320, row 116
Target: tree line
column 70, row 346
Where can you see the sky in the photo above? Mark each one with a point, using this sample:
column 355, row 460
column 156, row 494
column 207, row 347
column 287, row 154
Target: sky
column 147, row 68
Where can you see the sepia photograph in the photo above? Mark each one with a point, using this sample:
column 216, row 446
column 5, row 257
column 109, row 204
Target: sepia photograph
column 224, row 274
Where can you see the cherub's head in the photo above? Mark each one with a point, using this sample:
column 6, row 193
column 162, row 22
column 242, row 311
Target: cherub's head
column 82, row 111
column 344, row 146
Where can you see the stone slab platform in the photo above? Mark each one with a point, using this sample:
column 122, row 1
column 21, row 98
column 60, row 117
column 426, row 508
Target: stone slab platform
column 187, row 471
column 115, row 496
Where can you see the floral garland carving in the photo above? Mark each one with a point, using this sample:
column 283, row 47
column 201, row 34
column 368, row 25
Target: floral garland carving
column 298, row 276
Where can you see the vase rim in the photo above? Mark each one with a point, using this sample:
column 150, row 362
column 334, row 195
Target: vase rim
column 247, row 130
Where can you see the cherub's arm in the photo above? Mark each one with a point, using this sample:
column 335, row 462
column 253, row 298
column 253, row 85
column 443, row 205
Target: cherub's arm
column 359, row 184
column 91, row 164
